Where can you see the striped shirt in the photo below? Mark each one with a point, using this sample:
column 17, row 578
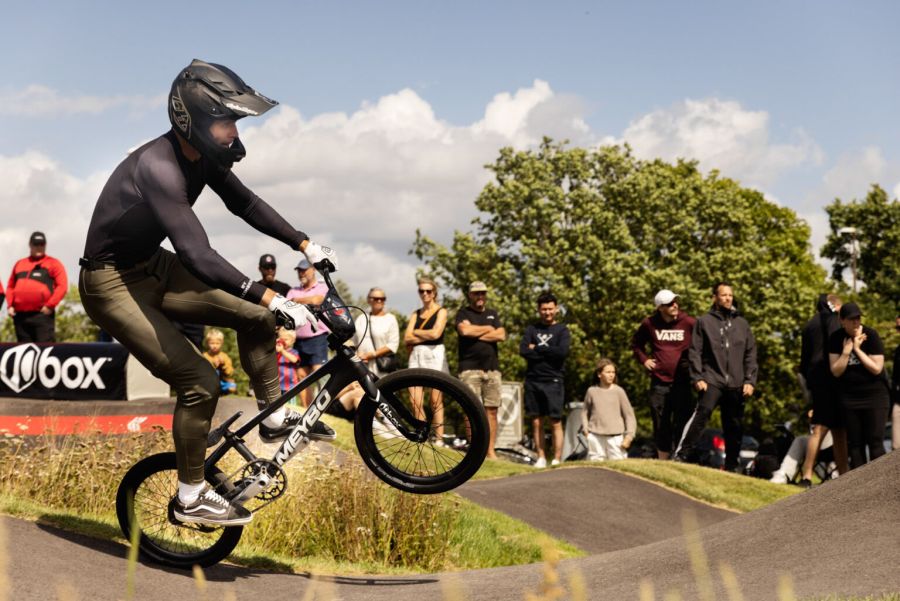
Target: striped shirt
column 287, row 372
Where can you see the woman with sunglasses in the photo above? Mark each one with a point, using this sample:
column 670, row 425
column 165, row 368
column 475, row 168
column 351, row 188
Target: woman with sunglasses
column 424, row 340
column 383, row 334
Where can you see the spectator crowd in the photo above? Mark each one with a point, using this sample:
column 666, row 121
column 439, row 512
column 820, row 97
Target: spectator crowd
column 694, row 365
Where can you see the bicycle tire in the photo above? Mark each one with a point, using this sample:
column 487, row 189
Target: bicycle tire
column 143, row 499
column 424, row 467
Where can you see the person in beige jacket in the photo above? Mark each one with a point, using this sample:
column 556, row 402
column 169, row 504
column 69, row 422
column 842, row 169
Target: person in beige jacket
column 608, row 418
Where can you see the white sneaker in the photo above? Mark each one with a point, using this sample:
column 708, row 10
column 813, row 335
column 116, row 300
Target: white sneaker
column 779, row 478
column 540, row 463
column 554, row 462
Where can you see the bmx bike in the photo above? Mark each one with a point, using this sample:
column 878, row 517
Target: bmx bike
column 400, row 438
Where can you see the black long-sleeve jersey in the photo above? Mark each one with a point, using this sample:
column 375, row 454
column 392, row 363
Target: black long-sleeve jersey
column 150, row 196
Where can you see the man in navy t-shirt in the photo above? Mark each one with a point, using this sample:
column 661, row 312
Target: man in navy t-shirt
column 545, row 346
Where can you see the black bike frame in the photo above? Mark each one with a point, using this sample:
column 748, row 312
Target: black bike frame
column 344, row 368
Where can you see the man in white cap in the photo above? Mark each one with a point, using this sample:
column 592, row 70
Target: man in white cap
column 667, row 333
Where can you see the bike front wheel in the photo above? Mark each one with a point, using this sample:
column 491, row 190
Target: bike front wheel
column 143, row 501
column 458, row 432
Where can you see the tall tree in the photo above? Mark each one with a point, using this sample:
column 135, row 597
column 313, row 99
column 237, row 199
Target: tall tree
column 875, row 226
column 604, row 231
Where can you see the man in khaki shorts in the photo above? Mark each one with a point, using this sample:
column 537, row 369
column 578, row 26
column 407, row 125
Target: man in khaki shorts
column 479, row 331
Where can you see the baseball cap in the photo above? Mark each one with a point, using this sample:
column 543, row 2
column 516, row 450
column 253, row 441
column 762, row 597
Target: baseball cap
column 478, row 286
column 37, row 239
column 664, row 297
column 303, row 265
column 850, row 310
column 267, row 261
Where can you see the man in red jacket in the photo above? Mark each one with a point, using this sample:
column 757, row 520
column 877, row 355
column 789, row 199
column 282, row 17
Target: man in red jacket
column 37, row 284
column 668, row 334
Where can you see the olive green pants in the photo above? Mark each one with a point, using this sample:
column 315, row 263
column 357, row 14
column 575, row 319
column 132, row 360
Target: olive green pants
column 137, row 305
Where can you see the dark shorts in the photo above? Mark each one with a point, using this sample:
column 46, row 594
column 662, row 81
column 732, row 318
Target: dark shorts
column 827, row 410
column 544, row 398
column 313, row 351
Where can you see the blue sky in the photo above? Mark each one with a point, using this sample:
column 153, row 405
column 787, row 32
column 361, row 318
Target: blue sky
column 797, row 99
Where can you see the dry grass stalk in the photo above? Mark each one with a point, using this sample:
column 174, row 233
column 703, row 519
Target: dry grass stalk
column 699, row 560
column 452, row 589
column 786, row 588
column 729, row 579
column 646, row 590
column 5, row 584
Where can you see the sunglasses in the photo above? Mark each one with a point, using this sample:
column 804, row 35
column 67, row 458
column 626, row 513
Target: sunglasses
column 377, row 299
column 426, row 291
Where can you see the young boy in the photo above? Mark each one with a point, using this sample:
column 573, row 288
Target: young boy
column 288, row 359
column 220, row 360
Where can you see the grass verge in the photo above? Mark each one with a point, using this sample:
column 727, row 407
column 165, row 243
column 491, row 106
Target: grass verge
column 716, row 487
column 334, row 518
column 722, row 489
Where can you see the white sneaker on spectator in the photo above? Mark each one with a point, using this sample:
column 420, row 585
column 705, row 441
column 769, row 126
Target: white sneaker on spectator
column 554, row 462
column 541, row 462
column 779, row 478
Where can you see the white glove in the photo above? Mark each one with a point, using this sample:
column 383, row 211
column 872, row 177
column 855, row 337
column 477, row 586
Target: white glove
column 294, row 315
column 316, row 252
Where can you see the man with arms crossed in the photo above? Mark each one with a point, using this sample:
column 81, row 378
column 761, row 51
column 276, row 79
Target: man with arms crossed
column 479, row 331
column 545, row 346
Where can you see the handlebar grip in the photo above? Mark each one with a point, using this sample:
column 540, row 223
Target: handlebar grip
column 325, row 266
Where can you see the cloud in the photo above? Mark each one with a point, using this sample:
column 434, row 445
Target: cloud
column 42, row 101
column 361, row 181
column 38, row 194
column 853, row 174
column 722, row 135
column 364, row 181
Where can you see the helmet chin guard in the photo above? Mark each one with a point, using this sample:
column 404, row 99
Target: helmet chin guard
column 204, row 93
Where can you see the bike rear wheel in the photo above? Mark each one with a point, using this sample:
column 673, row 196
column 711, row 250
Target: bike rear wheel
column 143, row 501
column 458, row 432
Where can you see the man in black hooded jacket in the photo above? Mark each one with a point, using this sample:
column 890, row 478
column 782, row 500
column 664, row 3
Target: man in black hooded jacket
column 723, row 370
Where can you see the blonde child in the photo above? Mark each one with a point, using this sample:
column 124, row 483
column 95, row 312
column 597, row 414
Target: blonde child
column 288, row 359
column 220, row 361
column 607, row 418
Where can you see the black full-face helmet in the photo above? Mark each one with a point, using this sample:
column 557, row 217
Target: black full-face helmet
column 206, row 92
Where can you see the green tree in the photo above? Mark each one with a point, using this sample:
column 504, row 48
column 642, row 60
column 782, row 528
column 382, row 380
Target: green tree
column 875, row 222
column 604, row 231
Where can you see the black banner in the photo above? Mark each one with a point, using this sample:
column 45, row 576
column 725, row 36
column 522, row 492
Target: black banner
column 68, row 371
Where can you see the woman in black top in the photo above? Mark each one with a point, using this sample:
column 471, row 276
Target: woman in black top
column 856, row 358
column 424, row 339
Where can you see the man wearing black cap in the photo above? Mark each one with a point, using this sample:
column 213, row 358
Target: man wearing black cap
column 267, row 267
column 856, row 358
column 37, row 284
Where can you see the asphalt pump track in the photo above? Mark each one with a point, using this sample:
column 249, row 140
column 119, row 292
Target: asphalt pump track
column 839, row 538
